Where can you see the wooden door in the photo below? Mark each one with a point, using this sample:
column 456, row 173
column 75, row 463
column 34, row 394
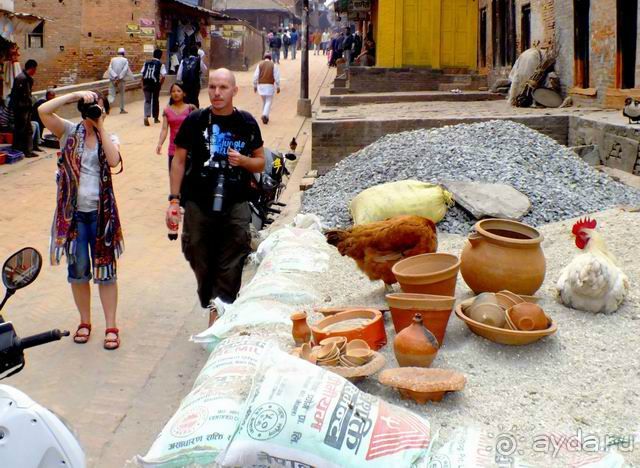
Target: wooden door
column 458, row 41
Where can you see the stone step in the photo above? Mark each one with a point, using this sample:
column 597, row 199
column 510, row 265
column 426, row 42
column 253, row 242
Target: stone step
column 338, row 91
column 451, row 86
column 415, row 96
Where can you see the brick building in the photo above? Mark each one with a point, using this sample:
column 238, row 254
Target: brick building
column 82, row 36
column 596, row 42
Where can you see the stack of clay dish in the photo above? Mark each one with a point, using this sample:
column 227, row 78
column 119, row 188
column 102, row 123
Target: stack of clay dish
column 422, row 385
column 434, row 273
column 364, row 324
column 487, row 309
column 435, row 311
column 527, row 317
column 503, row 254
column 328, row 355
column 501, row 335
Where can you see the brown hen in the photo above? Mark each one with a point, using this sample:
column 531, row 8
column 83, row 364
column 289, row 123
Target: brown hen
column 376, row 247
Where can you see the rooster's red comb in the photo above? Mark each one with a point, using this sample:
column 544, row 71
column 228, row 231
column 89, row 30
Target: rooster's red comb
column 587, row 223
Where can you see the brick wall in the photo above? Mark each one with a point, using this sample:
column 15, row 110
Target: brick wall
column 82, row 36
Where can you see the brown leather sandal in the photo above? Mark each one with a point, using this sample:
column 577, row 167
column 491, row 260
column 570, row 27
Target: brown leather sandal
column 108, row 341
column 82, row 339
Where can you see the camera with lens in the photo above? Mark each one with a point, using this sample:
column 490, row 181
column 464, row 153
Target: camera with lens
column 217, row 168
column 90, row 110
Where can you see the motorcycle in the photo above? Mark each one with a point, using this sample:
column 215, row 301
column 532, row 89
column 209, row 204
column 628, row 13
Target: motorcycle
column 30, row 434
column 267, row 188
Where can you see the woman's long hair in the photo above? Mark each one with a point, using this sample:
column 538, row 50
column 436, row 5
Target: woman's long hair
column 180, row 85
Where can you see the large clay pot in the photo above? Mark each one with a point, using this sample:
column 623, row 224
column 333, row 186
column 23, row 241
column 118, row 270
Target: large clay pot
column 435, row 311
column 415, row 346
column 300, row 330
column 503, row 254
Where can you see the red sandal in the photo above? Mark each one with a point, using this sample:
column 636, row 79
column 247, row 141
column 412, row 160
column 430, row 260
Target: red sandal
column 82, row 339
column 115, row 340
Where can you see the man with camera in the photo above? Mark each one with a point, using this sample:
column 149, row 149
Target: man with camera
column 225, row 148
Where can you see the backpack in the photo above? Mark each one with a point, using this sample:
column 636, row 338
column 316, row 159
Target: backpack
column 276, row 43
column 286, row 40
column 151, row 73
column 191, row 70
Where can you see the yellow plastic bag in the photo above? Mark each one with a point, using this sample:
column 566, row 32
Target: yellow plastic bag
column 406, row 197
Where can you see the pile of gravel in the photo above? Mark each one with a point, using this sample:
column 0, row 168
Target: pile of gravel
column 559, row 184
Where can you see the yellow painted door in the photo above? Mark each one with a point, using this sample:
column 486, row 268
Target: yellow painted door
column 458, row 33
column 418, row 22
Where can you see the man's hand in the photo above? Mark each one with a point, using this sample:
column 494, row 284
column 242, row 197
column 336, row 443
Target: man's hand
column 235, row 158
column 173, row 216
column 86, row 96
column 159, row 149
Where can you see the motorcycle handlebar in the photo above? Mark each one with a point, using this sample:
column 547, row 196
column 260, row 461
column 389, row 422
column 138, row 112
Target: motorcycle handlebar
column 42, row 338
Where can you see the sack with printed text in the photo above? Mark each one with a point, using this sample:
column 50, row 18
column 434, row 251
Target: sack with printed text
column 301, row 415
column 208, row 416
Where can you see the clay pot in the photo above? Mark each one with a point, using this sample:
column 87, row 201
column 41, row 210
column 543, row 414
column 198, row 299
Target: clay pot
column 528, row 317
column 503, row 254
column 489, row 314
column 415, row 346
column 300, row 330
column 433, row 273
column 435, row 311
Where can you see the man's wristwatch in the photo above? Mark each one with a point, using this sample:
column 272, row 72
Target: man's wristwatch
column 174, row 197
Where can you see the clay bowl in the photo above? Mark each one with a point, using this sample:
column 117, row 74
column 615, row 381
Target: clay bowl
column 364, row 324
column 433, row 273
column 422, row 385
column 357, row 344
column 328, row 351
column 527, row 316
column 435, row 311
column 488, row 313
column 502, row 335
column 340, row 342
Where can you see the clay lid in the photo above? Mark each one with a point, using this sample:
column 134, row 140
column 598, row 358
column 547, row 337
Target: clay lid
column 420, row 379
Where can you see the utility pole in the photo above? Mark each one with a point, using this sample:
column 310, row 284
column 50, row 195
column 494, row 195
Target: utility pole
column 304, row 103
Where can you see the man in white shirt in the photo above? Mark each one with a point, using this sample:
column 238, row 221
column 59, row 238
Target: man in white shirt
column 118, row 72
column 204, row 69
column 326, row 39
column 266, row 82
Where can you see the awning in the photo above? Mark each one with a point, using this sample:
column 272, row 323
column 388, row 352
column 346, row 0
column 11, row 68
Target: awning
column 12, row 24
column 214, row 13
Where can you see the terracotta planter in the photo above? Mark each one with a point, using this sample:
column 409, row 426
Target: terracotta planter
column 433, row 273
column 370, row 330
column 415, row 346
column 503, row 254
column 435, row 311
column 300, row 330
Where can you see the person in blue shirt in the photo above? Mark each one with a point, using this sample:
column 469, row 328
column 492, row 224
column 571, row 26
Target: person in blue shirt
column 294, row 42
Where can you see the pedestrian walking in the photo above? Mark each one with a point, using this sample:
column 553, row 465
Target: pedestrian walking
column 118, row 73
column 326, row 40
column 266, row 82
column 86, row 226
column 189, row 74
column 153, row 74
column 204, row 68
column 226, row 148
column 286, row 43
column 275, row 44
column 317, row 42
column 347, row 47
column 294, row 42
column 172, row 117
column 21, row 103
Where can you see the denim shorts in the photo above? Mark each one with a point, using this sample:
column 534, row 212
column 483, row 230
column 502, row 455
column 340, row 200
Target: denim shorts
column 80, row 270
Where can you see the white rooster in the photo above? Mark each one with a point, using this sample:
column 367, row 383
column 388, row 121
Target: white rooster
column 592, row 281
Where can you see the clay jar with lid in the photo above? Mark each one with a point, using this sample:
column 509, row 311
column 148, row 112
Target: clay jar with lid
column 415, row 346
column 503, row 254
column 300, row 330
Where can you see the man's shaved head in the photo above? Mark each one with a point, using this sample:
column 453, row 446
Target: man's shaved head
column 222, row 89
column 223, row 73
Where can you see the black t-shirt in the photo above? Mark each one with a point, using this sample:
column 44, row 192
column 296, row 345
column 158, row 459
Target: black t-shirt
column 206, row 136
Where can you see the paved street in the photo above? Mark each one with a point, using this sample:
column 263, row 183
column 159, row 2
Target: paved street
column 118, row 401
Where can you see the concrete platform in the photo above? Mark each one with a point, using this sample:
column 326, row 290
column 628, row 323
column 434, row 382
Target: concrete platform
column 419, row 96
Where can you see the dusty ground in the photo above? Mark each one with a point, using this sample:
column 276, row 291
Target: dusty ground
column 582, row 380
column 119, row 401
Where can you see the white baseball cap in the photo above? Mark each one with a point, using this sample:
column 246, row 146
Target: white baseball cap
column 121, row 50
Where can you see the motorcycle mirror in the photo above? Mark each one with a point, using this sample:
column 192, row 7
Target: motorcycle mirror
column 21, row 269
column 291, row 156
